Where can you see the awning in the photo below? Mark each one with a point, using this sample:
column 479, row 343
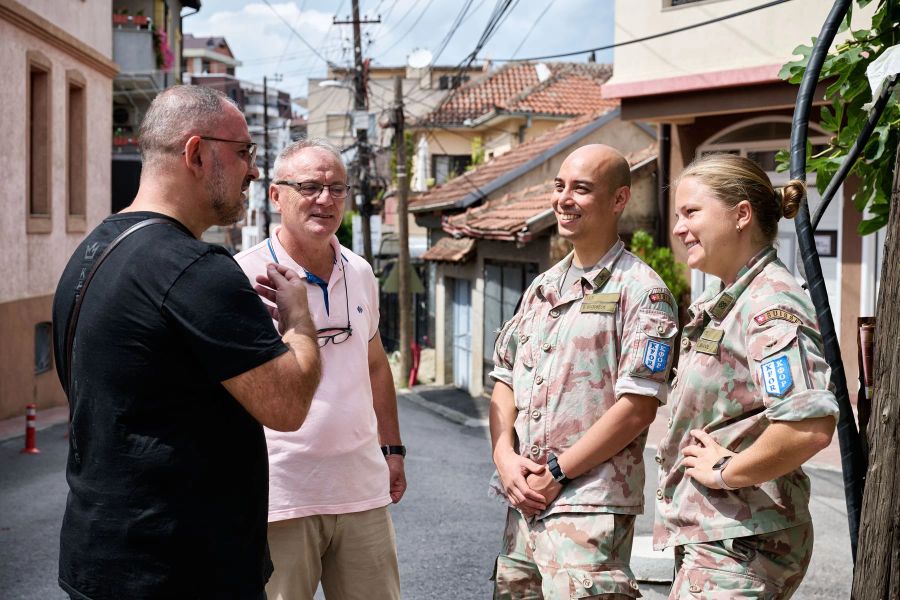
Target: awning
column 451, row 250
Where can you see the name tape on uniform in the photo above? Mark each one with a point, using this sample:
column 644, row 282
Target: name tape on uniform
column 709, row 340
column 776, row 313
column 600, row 303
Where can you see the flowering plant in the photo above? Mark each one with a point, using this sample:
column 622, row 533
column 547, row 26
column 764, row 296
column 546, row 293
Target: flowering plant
column 164, row 55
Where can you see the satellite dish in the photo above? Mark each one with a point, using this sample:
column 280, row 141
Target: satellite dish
column 419, row 59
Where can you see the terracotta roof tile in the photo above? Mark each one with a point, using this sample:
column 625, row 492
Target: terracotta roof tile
column 507, row 217
column 451, row 250
column 571, row 89
column 472, row 181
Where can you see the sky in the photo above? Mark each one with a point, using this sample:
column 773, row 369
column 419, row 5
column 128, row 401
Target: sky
column 266, row 45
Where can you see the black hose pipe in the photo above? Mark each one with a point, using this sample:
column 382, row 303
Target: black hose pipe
column 853, row 461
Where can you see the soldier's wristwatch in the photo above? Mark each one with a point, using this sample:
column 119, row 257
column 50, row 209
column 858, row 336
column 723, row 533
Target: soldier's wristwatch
column 555, row 471
column 717, row 472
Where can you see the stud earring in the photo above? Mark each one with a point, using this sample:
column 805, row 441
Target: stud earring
column 738, row 227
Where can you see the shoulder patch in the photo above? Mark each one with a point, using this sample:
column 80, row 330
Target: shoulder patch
column 773, row 314
column 661, row 295
column 777, row 377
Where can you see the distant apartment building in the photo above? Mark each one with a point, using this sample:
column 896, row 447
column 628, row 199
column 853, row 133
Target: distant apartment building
column 56, row 93
column 146, row 36
column 209, row 61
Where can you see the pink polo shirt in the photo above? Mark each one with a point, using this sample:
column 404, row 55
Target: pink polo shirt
column 333, row 464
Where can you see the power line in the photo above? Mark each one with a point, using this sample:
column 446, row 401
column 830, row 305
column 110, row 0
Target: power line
column 649, row 37
column 453, row 28
column 402, row 38
column 294, row 31
column 533, row 25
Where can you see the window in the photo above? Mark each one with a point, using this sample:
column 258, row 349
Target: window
column 38, row 149
column 76, row 153
column 446, row 166
column 503, row 286
column 43, row 360
column 446, row 82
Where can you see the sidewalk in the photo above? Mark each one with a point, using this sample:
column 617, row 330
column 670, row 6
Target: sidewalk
column 48, row 417
column 457, row 406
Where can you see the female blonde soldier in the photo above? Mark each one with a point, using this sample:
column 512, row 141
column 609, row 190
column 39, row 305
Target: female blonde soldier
column 750, row 403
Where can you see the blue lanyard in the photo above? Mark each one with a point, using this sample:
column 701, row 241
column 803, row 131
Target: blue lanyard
column 323, row 285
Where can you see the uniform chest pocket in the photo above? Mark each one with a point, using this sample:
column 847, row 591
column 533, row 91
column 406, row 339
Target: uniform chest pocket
column 652, row 345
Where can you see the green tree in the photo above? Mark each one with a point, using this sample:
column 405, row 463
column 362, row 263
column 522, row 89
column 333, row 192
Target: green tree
column 662, row 261
column 844, row 116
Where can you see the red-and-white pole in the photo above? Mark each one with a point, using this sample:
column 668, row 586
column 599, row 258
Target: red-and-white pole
column 30, row 432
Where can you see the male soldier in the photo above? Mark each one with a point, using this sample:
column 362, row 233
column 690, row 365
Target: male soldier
column 175, row 368
column 330, row 483
column 580, row 369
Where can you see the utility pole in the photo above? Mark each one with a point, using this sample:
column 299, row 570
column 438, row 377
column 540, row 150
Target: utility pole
column 267, row 216
column 361, row 122
column 403, row 263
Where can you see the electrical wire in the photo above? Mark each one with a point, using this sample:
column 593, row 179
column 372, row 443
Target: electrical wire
column 533, row 25
column 402, row 38
column 296, row 34
column 453, row 28
column 649, row 37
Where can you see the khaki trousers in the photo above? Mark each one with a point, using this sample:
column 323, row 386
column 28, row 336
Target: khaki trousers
column 354, row 555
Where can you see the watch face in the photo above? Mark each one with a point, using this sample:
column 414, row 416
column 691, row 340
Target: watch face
column 721, row 463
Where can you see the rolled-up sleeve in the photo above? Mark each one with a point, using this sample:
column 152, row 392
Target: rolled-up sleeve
column 788, row 365
column 647, row 349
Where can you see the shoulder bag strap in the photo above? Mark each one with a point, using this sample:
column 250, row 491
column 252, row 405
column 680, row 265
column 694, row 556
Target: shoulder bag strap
column 79, row 297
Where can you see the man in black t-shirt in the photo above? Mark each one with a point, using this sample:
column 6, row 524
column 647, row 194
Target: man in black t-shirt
column 175, row 368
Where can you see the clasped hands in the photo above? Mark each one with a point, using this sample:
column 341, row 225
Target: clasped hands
column 528, row 485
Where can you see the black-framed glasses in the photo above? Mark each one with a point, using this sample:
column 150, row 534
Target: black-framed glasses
column 336, row 335
column 249, row 147
column 313, row 189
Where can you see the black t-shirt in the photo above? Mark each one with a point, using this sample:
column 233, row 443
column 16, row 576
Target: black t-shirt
column 168, row 474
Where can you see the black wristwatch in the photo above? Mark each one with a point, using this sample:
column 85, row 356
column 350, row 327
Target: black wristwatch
column 555, row 471
column 386, row 450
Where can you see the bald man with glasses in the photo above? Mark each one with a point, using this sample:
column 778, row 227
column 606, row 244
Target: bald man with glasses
column 330, row 484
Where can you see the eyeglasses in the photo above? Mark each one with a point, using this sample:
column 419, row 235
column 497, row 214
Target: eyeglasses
column 313, row 189
column 248, row 153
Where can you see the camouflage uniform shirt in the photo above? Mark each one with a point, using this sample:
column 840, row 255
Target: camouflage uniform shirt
column 750, row 354
column 568, row 356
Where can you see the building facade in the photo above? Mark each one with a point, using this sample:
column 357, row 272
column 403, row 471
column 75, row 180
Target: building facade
column 57, row 93
column 716, row 89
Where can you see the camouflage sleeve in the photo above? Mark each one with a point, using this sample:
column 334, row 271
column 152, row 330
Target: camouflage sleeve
column 505, row 350
column 647, row 346
column 787, row 361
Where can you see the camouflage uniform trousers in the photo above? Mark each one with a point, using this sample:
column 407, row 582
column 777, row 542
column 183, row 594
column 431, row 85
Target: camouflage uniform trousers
column 766, row 566
column 565, row 556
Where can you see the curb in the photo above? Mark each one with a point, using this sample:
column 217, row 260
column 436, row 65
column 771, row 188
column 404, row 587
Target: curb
column 447, row 413
column 14, row 427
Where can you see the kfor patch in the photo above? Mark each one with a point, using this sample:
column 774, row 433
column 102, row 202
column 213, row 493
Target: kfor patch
column 776, row 313
column 777, row 378
column 656, row 356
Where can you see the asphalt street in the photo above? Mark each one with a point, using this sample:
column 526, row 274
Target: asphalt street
column 448, row 529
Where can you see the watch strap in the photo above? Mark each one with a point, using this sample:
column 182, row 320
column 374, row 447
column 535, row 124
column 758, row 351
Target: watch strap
column 555, row 470
column 717, row 472
column 388, row 450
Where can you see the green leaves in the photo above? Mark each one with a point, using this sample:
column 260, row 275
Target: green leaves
column 843, row 116
column 662, row 261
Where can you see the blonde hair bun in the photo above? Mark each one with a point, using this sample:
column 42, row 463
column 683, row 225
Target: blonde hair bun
column 790, row 196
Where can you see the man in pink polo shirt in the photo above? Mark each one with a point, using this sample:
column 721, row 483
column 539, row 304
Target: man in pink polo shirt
column 330, row 483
